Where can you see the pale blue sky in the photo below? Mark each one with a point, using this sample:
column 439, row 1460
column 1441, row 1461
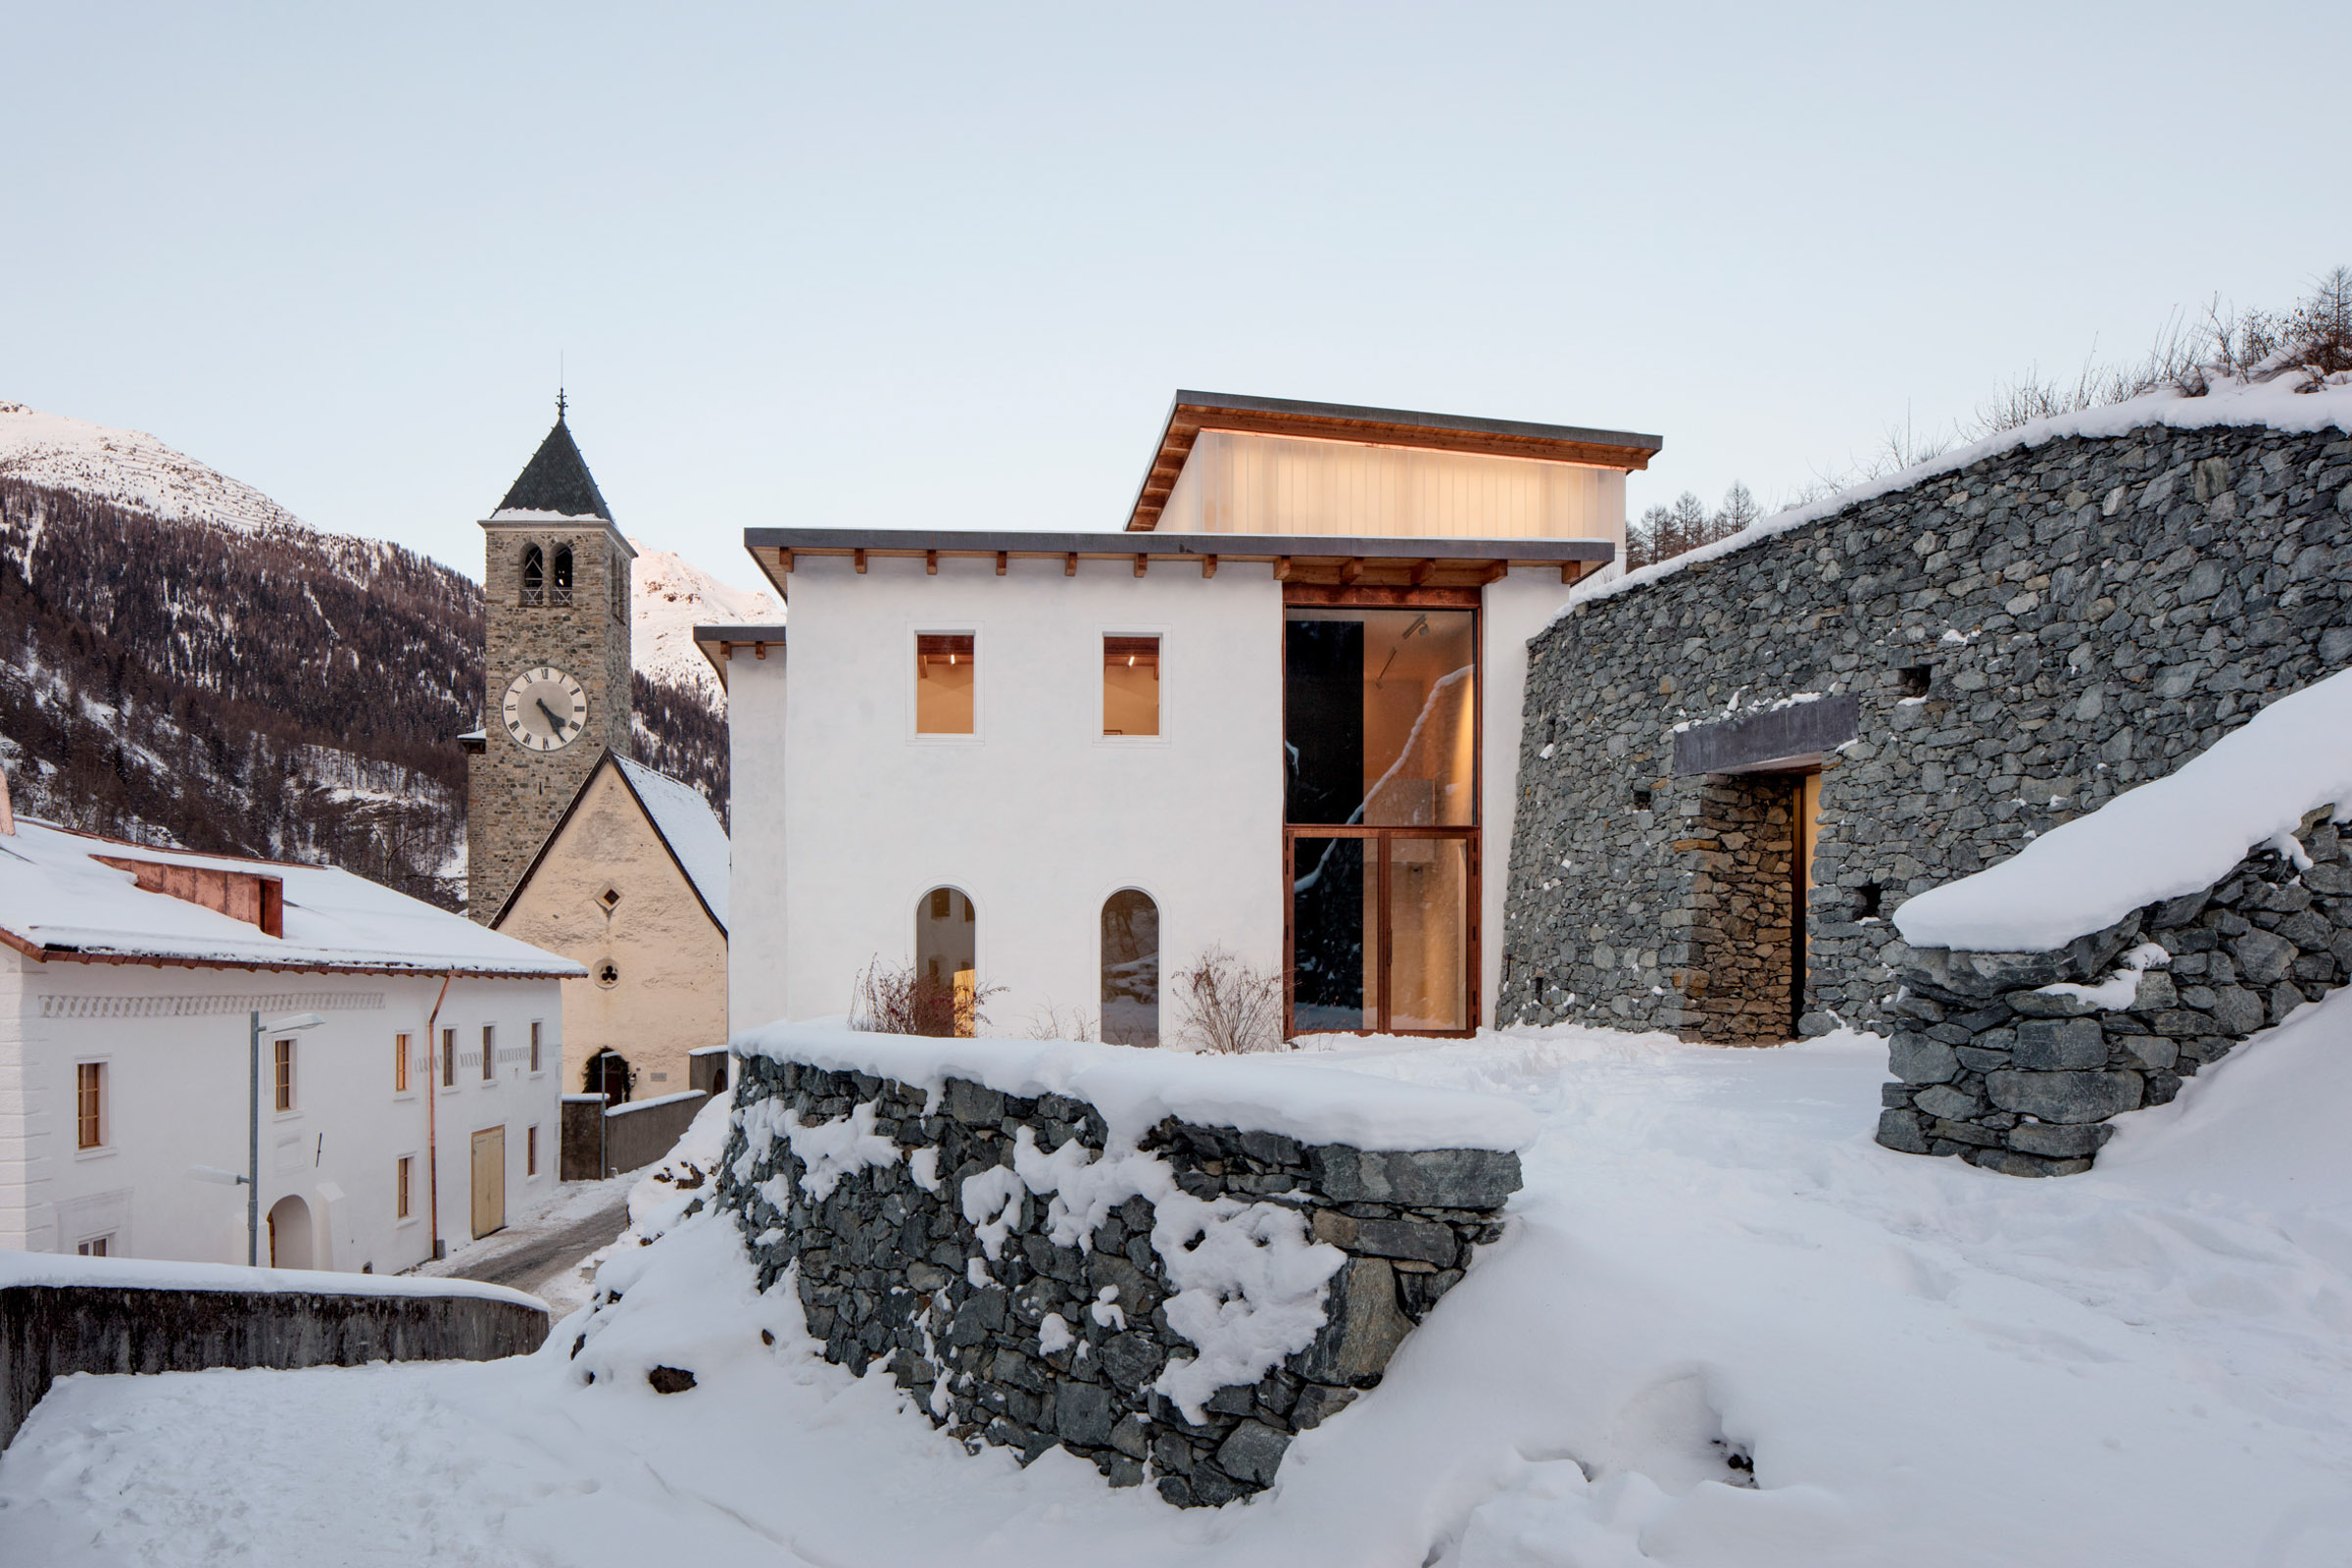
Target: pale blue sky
column 939, row 266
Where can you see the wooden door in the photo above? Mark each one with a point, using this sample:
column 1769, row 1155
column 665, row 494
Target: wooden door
column 489, row 1180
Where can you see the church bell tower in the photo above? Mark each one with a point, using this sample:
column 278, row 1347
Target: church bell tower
column 555, row 665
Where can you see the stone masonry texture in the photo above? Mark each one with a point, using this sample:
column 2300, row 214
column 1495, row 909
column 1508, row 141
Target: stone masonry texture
column 514, row 797
column 886, row 1276
column 1995, row 1068
column 2026, row 637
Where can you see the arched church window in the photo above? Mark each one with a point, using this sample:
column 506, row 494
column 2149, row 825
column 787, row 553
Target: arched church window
column 947, row 965
column 609, row 1074
column 534, row 575
column 1130, row 968
column 558, row 583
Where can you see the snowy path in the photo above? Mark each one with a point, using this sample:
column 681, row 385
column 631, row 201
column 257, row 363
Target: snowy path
column 1930, row 1365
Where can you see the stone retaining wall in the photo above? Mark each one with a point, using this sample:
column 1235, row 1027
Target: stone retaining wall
column 922, row 1239
column 2008, row 1074
column 2022, row 639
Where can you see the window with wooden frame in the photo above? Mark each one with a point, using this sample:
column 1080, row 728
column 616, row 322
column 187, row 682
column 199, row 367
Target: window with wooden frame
column 1130, row 685
column 400, row 1065
column 1379, row 732
column 530, row 1151
column 95, row 1246
column 89, row 1104
column 403, row 1185
column 946, row 682
column 449, row 1058
column 536, row 1026
column 284, row 1075
column 489, row 1052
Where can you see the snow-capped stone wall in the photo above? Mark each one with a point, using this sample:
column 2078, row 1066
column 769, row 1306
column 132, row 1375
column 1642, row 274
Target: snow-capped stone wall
column 2022, row 636
column 2018, row 1061
column 1173, row 1301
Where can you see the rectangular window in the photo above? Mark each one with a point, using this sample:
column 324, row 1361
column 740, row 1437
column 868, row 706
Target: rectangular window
column 95, row 1246
column 449, row 1058
column 89, row 1104
column 286, row 1075
column 944, row 663
column 489, row 1051
column 1130, row 685
column 530, row 1151
column 401, row 1187
column 534, row 1044
column 400, row 1065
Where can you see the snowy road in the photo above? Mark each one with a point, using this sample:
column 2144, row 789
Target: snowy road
column 1928, row 1364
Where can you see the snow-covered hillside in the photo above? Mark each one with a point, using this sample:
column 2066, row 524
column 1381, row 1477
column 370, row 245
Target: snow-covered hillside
column 128, row 467
column 671, row 595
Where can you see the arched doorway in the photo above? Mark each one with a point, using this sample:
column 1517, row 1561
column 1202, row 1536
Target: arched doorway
column 1130, row 968
column 947, row 964
column 609, row 1074
column 289, row 1233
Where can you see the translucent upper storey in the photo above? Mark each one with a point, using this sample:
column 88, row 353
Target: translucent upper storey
column 1240, row 483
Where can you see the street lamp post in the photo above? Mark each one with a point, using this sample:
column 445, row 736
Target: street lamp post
column 253, row 1106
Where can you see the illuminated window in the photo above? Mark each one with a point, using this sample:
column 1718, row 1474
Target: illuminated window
column 489, row 1051
column 400, row 1065
column 1130, row 685
column 402, row 1183
column 535, row 1045
column 286, row 1075
column 1130, row 969
column 449, row 1058
column 89, row 1104
column 943, row 681
column 947, row 965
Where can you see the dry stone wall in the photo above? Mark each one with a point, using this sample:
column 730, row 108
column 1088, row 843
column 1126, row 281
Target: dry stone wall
column 2018, row 1061
column 1175, row 1312
column 2022, row 639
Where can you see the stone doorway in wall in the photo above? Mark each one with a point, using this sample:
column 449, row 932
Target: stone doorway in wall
column 1757, row 833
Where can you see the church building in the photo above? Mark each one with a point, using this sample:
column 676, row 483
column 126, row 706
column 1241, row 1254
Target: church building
column 569, row 838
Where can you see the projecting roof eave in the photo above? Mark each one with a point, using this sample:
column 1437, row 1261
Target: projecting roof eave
column 1449, row 562
column 718, row 643
column 165, row 959
column 1194, row 411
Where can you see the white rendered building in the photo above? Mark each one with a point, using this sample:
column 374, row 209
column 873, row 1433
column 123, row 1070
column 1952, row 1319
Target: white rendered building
column 420, row 1105
column 1279, row 715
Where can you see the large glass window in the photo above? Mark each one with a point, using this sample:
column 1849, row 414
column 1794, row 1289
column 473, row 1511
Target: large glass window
column 1380, row 717
column 1380, row 744
column 1130, row 969
column 947, row 961
column 1130, row 685
column 944, row 671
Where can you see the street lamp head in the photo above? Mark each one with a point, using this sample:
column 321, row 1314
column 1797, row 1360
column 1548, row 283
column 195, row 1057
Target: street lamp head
column 292, row 1022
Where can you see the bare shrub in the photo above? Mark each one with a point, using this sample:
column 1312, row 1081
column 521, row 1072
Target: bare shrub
column 1050, row 1022
column 897, row 1000
column 1226, row 1005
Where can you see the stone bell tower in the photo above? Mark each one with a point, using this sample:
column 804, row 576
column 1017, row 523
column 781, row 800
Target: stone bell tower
column 556, row 671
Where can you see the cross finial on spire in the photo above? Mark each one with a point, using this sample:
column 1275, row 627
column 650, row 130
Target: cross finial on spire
column 560, row 405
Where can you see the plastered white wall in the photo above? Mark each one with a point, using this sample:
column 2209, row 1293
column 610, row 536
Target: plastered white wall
column 1516, row 609
column 758, row 949
column 1039, row 816
column 174, row 1044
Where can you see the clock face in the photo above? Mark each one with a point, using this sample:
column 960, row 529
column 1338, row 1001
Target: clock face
column 545, row 710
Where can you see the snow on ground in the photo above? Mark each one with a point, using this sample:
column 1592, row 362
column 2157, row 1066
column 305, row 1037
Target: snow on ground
column 130, row 466
column 1925, row 1363
column 563, row 1283
column 669, row 595
column 2171, row 836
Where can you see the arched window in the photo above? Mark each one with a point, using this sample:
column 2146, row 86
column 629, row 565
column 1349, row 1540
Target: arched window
column 534, row 575
column 558, row 585
column 947, row 964
column 1130, row 969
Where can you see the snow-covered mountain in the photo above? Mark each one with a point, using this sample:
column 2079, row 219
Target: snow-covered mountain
column 130, row 467
column 671, row 595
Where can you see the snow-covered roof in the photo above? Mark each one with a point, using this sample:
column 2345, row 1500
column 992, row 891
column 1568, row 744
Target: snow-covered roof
column 1135, row 1089
column 60, row 902
column 2171, row 836
column 2275, row 404
column 690, row 828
